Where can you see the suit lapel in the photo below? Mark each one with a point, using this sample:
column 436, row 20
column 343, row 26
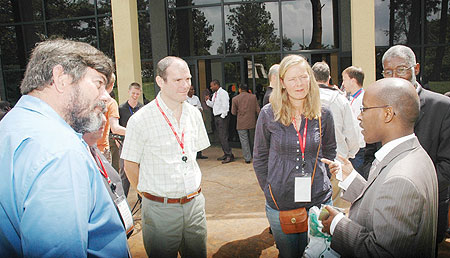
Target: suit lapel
column 401, row 148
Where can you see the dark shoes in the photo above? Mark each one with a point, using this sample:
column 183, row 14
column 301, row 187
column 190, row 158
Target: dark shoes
column 201, row 157
column 248, row 161
column 228, row 159
column 223, row 157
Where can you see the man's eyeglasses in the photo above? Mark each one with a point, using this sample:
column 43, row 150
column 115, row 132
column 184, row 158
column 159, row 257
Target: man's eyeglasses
column 366, row 108
column 400, row 71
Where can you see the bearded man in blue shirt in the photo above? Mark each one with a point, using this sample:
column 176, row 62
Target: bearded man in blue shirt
column 53, row 201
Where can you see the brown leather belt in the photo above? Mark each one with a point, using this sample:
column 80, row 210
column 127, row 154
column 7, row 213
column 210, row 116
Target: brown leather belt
column 182, row 200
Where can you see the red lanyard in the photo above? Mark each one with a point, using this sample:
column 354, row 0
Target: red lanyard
column 356, row 95
column 301, row 142
column 103, row 170
column 181, row 142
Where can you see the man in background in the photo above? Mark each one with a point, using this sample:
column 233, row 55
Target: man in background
column 245, row 106
column 126, row 110
column 220, row 103
column 345, row 125
column 273, row 81
column 353, row 79
column 112, row 123
column 195, row 101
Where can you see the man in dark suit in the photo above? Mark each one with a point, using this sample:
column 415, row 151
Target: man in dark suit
column 394, row 212
column 432, row 127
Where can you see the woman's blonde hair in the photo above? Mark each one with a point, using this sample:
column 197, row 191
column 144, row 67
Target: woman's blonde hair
column 282, row 108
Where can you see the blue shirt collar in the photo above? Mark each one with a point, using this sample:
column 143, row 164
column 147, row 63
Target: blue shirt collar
column 37, row 105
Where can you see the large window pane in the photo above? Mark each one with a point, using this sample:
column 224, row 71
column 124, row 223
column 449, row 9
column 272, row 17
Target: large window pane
column 436, row 24
column 436, row 67
column 195, row 32
column 103, row 6
column 12, row 84
column 145, row 39
column 403, row 19
column 308, row 24
column 381, row 23
column 59, row 9
column 252, row 27
column 142, row 5
column 80, row 30
column 16, row 43
column 106, row 38
column 20, row 10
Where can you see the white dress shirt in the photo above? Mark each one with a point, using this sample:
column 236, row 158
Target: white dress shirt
column 356, row 104
column 194, row 101
column 345, row 124
column 150, row 142
column 379, row 156
column 220, row 103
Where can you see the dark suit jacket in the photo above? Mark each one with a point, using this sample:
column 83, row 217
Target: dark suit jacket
column 433, row 130
column 394, row 213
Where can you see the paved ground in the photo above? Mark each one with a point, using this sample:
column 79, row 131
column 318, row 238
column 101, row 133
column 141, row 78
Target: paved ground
column 237, row 225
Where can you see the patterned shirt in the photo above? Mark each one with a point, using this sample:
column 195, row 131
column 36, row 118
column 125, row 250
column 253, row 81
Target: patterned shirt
column 150, row 142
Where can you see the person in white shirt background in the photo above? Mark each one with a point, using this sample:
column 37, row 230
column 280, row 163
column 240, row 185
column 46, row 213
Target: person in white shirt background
column 195, row 101
column 352, row 83
column 220, row 103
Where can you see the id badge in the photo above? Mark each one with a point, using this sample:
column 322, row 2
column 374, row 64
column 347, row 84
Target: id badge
column 125, row 213
column 302, row 189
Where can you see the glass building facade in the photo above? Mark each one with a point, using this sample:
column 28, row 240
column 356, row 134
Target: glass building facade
column 232, row 41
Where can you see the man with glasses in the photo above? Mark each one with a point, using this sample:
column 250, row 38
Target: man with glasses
column 432, row 127
column 394, row 212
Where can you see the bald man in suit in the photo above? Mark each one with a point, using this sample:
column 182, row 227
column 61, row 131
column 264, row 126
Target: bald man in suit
column 394, row 213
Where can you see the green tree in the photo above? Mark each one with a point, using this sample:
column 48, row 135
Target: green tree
column 253, row 28
column 189, row 30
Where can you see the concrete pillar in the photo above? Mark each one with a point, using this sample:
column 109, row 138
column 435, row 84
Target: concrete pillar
column 126, row 45
column 363, row 37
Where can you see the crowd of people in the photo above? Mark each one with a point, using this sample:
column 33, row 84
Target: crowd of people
column 382, row 151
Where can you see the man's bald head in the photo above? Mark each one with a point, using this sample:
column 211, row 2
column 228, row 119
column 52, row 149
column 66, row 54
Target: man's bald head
column 401, row 95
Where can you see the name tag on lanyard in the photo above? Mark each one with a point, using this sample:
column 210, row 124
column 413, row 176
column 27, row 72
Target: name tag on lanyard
column 125, row 213
column 302, row 189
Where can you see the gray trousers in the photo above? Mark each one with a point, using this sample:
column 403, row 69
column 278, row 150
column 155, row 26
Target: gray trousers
column 222, row 131
column 247, row 136
column 171, row 228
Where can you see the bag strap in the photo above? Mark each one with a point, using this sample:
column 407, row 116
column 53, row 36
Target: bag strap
column 315, row 164
column 318, row 149
column 270, row 189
